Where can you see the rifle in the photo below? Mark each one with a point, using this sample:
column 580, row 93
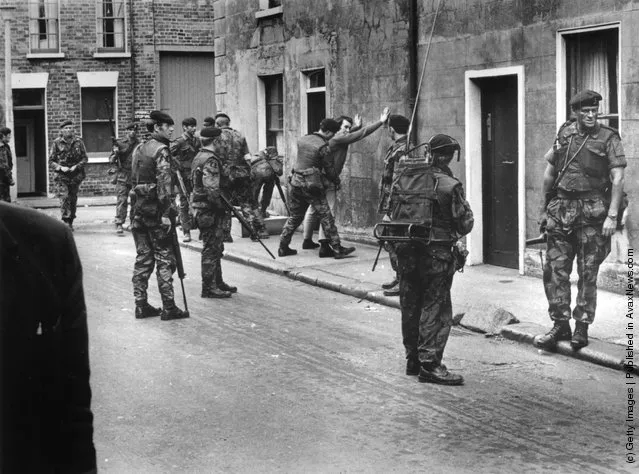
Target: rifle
column 543, row 238
column 279, row 187
column 114, row 141
column 399, row 232
column 179, row 262
column 245, row 224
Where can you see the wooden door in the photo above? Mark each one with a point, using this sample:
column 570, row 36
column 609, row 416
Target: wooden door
column 25, row 155
column 500, row 151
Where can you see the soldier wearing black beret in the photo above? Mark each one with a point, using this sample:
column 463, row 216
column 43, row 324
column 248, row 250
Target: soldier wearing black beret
column 209, row 213
column 583, row 189
column 184, row 150
column 67, row 159
column 153, row 191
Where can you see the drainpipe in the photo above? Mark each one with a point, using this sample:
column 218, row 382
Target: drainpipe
column 132, row 36
column 413, row 40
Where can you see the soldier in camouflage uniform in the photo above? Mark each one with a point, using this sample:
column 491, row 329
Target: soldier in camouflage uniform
column 6, row 165
column 231, row 146
column 209, row 182
column 426, row 272
column 152, row 219
column 583, row 188
column 184, row 150
column 67, row 159
column 121, row 156
column 398, row 128
column 308, row 188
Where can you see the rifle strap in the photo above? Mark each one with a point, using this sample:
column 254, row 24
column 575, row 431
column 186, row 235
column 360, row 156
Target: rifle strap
column 567, row 161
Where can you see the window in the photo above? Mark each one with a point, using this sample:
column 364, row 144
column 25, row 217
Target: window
column 43, row 26
column 315, row 99
column 96, row 131
column 111, row 25
column 274, row 95
column 592, row 62
column 274, row 3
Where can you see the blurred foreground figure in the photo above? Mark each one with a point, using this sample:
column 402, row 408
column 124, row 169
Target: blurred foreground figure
column 47, row 423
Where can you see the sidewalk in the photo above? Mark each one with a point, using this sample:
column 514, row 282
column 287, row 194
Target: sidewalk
column 478, row 292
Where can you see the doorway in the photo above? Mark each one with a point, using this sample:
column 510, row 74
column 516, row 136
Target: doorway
column 500, row 170
column 25, row 155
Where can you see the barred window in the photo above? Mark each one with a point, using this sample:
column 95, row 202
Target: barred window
column 111, row 25
column 44, row 31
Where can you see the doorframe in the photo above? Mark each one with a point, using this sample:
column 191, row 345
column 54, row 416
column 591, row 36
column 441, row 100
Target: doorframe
column 474, row 179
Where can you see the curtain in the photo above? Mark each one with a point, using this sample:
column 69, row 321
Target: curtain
column 588, row 66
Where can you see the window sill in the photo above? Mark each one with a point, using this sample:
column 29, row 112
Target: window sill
column 111, row 55
column 45, row 55
column 97, row 158
column 269, row 12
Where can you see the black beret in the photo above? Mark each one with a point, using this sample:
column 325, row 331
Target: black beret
column 189, row 121
column 132, row 126
column 208, row 121
column 330, row 125
column 210, row 132
column 160, row 117
column 223, row 115
column 65, row 123
column 5, row 131
column 586, row 98
column 399, row 123
column 441, row 141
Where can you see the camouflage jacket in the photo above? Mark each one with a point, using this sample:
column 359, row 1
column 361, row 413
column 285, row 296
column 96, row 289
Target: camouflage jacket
column 68, row 153
column 209, row 181
column 124, row 156
column 231, row 148
column 184, row 149
column 393, row 155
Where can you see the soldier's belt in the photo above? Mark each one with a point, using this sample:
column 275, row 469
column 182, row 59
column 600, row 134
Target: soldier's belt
column 592, row 194
column 401, row 232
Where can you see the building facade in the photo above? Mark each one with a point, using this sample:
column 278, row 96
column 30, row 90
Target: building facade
column 498, row 77
column 87, row 60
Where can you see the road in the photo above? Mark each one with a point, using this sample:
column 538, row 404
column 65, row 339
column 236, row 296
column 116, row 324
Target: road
column 286, row 377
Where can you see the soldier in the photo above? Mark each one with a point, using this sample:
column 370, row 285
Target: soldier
column 209, row 210
column 184, row 150
column 426, row 272
column 122, row 156
column 350, row 132
column 6, row 165
column 231, row 146
column 398, row 129
column 265, row 183
column 583, row 189
column 308, row 188
column 152, row 219
column 67, row 159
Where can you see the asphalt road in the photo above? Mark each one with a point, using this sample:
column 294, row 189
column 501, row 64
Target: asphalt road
column 286, row 377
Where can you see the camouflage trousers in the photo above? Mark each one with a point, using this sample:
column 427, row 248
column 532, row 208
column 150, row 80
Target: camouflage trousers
column 241, row 194
column 212, row 235
column 5, row 194
column 122, row 190
column 184, row 210
column 68, row 193
column 299, row 200
column 154, row 247
column 426, row 277
column 266, row 186
column 574, row 229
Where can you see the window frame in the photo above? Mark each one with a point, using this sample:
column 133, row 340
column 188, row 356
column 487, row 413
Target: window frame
column 272, row 81
column 100, row 34
column 562, row 79
column 306, row 89
column 44, row 52
column 99, row 156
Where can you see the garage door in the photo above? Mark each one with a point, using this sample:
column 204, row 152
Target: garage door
column 187, row 86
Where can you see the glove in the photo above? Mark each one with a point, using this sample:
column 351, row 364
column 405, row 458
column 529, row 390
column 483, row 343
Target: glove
column 166, row 224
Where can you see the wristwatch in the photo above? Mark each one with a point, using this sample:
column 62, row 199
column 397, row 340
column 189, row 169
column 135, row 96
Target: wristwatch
column 612, row 216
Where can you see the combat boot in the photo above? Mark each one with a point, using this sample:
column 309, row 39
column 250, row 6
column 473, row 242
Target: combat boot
column 412, row 366
column 285, row 251
column 308, row 244
column 325, row 250
column 342, row 252
column 580, row 336
column 559, row 332
column 390, row 284
column 220, row 282
column 215, row 292
column 392, row 292
column 187, row 236
column 119, row 229
column 145, row 310
column 439, row 375
column 173, row 312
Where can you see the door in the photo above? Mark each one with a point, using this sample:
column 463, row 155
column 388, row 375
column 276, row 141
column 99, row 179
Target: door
column 500, row 151
column 187, row 87
column 25, row 155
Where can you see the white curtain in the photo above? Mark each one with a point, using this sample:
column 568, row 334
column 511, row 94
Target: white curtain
column 588, row 60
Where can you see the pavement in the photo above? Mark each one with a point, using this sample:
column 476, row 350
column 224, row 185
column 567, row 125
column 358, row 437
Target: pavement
column 496, row 301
